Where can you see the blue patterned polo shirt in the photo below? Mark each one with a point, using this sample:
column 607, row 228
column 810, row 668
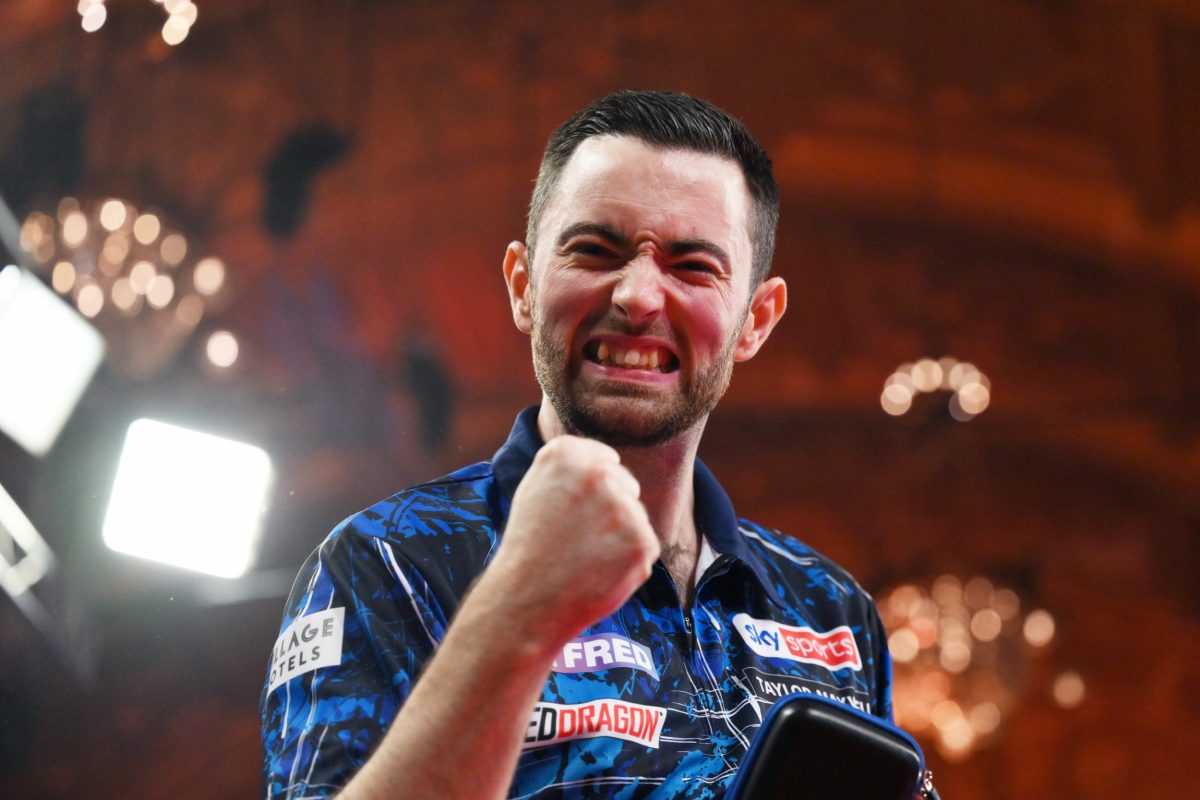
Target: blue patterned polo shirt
column 654, row 701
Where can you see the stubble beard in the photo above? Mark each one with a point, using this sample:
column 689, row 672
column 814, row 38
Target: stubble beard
column 600, row 415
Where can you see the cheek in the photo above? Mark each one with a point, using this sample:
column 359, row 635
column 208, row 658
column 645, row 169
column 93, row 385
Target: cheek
column 567, row 301
column 708, row 325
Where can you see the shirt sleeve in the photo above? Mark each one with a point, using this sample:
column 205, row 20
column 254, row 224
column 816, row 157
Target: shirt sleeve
column 358, row 628
column 883, row 669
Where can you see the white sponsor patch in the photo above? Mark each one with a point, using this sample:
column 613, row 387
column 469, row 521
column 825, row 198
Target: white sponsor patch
column 604, row 651
column 308, row 643
column 554, row 722
column 833, row 649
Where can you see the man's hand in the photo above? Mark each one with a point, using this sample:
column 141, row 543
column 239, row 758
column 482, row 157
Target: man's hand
column 577, row 545
column 578, row 541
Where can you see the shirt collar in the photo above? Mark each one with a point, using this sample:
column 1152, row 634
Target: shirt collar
column 715, row 516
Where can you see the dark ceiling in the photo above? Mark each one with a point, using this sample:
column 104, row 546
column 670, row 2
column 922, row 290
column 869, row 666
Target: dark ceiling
column 1013, row 183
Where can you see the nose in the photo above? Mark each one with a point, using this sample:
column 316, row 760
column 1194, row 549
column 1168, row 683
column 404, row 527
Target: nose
column 639, row 290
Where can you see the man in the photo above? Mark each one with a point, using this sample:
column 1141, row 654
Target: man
column 584, row 617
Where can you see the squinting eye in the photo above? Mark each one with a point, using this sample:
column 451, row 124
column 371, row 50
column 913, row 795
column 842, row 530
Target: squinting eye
column 595, row 250
column 696, row 266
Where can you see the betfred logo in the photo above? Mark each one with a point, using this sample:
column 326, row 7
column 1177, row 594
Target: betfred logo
column 604, row 651
column 835, row 649
column 554, row 722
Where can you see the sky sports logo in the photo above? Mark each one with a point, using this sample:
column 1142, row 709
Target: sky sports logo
column 835, row 649
column 554, row 722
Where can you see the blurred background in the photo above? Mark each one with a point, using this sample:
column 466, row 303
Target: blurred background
column 281, row 224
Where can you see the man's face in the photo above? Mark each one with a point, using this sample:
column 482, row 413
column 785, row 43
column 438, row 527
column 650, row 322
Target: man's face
column 639, row 289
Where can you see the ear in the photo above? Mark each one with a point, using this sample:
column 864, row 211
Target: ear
column 766, row 308
column 516, row 277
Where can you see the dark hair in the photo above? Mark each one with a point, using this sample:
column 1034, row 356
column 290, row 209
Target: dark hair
column 668, row 120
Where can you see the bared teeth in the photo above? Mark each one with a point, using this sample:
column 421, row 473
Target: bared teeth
column 632, row 358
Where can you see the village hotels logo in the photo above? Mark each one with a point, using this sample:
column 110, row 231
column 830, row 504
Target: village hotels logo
column 309, row 643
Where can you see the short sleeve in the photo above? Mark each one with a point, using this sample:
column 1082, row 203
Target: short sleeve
column 883, row 669
column 358, row 628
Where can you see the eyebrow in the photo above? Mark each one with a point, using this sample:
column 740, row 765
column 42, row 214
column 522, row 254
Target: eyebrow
column 678, row 247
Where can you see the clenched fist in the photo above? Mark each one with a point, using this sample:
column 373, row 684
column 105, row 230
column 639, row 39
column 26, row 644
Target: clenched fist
column 578, row 541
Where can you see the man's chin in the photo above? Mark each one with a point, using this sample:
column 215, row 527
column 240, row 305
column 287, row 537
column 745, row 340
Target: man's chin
column 624, row 421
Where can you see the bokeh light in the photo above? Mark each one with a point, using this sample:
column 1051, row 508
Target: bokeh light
column 222, row 349
column 960, row 663
column 970, row 389
column 149, row 284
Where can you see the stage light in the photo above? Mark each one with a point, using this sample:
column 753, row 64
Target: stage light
column 189, row 499
column 25, row 558
column 47, row 357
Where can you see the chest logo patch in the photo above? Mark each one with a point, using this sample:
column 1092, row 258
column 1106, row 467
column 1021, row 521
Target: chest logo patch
column 309, row 643
column 833, row 649
column 555, row 722
column 604, row 651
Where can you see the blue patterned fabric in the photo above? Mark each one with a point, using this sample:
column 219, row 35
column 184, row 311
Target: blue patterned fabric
column 653, row 701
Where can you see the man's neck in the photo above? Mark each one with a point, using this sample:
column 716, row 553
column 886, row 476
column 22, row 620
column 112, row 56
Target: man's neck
column 665, row 473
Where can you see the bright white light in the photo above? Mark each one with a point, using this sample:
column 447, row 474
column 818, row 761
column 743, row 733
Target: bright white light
column 113, row 214
column 926, row 375
column 186, row 11
column 974, row 397
column 161, row 290
column 90, row 300
column 47, row 357
column 209, row 275
column 896, row 399
column 188, row 499
column 93, row 17
column 140, row 276
column 19, row 574
column 222, row 349
column 147, row 228
column 175, row 30
column 75, row 226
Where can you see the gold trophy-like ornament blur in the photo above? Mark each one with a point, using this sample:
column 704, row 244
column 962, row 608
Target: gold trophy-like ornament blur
column 963, row 654
column 132, row 272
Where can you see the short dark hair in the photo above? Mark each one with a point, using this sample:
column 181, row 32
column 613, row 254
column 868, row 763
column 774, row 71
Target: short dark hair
column 668, row 120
